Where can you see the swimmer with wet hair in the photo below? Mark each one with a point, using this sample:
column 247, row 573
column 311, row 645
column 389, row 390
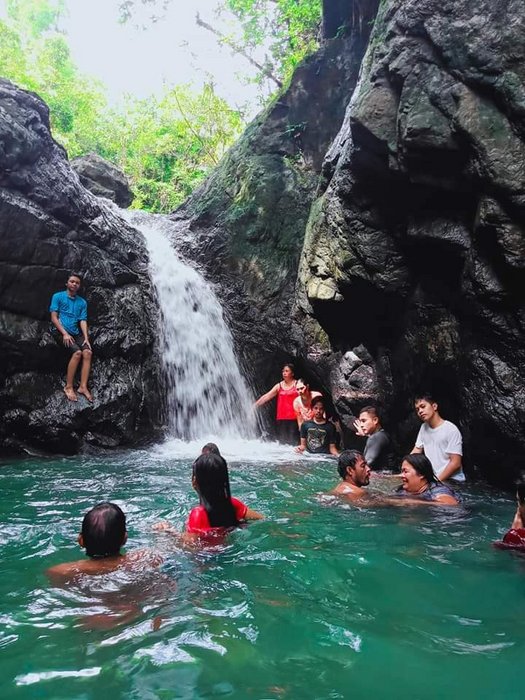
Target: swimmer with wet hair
column 210, row 448
column 102, row 535
column 354, row 472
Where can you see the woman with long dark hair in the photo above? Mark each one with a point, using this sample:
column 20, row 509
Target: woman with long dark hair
column 420, row 485
column 217, row 508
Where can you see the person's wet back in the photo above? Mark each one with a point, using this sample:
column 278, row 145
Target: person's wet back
column 103, row 534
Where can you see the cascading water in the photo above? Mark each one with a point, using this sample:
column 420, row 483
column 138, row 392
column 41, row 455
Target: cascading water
column 206, row 393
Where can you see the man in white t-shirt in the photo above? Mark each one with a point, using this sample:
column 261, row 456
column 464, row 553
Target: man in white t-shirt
column 440, row 440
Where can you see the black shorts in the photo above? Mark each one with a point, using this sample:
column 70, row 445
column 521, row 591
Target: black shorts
column 287, row 432
column 78, row 341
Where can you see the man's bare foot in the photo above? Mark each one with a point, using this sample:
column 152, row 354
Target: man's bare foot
column 70, row 393
column 85, row 392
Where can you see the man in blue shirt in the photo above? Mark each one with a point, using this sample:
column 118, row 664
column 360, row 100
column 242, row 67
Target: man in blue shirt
column 70, row 329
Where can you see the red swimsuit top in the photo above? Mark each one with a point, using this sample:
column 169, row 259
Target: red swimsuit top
column 514, row 539
column 199, row 522
column 285, row 399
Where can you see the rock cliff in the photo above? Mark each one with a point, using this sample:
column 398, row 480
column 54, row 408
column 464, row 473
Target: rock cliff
column 50, row 225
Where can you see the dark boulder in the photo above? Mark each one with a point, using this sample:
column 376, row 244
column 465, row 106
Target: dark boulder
column 50, row 225
column 414, row 249
column 103, row 179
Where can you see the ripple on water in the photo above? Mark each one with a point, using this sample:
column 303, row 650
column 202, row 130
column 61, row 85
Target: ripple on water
column 292, row 606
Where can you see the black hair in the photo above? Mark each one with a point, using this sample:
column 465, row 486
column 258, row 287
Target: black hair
column 297, row 381
column 316, row 400
column 520, row 490
column 210, row 447
column 74, row 274
column 210, row 472
column 422, row 465
column 290, row 366
column 347, row 458
column 425, row 396
column 373, row 410
column 104, row 530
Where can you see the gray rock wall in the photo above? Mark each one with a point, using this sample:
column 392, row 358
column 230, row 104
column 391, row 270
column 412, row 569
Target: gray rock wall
column 50, row 225
column 413, row 268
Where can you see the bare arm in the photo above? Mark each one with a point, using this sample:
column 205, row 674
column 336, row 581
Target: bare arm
column 302, row 447
column 333, row 449
column 517, row 523
column 268, row 396
column 84, row 328
column 416, row 451
column 67, row 339
column 253, row 515
column 453, row 465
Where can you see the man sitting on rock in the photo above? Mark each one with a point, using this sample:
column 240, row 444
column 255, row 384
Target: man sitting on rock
column 70, row 329
column 354, row 472
column 318, row 435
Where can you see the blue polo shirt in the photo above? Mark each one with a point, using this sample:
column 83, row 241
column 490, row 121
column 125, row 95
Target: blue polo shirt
column 70, row 310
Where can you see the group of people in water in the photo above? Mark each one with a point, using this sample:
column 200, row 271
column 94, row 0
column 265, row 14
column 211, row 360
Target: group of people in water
column 103, row 532
column 301, row 419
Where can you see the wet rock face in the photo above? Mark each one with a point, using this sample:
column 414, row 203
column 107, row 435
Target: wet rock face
column 413, row 257
column 50, row 225
column 103, row 179
column 246, row 224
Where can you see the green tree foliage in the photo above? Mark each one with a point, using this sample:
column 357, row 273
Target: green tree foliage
column 289, row 28
column 166, row 145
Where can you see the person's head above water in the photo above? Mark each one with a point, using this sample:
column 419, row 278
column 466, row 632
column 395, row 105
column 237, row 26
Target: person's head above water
column 416, row 472
column 103, row 530
column 352, row 467
column 212, row 483
column 210, row 448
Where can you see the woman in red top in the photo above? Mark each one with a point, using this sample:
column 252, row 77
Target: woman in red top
column 515, row 537
column 217, row 509
column 286, row 393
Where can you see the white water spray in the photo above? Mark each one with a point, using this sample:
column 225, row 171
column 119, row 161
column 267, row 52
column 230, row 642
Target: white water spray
column 206, row 393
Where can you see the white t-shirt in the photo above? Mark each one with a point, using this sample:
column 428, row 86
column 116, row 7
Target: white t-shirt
column 439, row 443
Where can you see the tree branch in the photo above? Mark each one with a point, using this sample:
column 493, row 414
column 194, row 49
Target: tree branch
column 237, row 49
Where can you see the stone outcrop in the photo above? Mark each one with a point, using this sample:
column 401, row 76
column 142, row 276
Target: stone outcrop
column 246, row 224
column 49, row 226
column 413, row 266
column 103, row 179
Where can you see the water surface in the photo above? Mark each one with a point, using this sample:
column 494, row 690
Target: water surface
column 321, row 600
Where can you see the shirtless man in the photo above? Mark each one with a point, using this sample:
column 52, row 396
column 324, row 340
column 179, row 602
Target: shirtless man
column 377, row 446
column 439, row 439
column 70, row 329
column 103, row 534
column 355, row 473
column 302, row 405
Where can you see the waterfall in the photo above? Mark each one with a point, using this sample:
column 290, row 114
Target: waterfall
column 206, row 394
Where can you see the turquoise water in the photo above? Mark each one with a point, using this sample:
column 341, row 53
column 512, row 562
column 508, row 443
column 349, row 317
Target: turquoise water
column 318, row 601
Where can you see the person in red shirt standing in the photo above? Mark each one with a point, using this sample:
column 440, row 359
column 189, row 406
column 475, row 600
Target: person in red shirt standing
column 286, row 392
